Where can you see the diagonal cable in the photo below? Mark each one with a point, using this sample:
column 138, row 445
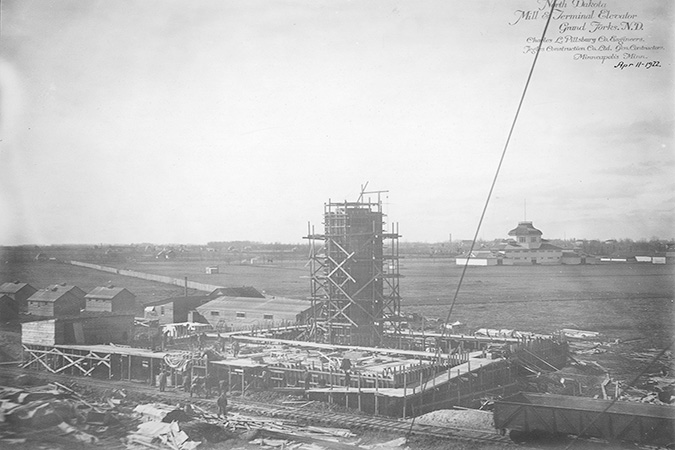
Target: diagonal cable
column 494, row 180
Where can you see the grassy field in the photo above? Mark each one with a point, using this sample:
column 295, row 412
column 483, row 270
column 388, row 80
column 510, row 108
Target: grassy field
column 626, row 301
column 630, row 302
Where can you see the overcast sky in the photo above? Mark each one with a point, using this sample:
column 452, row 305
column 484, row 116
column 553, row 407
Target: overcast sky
column 194, row 121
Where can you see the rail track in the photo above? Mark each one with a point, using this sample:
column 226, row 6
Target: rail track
column 355, row 422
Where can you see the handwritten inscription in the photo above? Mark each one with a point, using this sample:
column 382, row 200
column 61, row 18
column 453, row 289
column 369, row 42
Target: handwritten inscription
column 591, row 30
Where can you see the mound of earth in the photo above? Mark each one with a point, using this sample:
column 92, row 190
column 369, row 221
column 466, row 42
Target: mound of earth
column 466, row 418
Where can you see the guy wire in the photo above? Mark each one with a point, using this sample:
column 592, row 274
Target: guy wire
column 492, row 186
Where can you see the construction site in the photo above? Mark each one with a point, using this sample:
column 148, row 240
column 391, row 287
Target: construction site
column 347, row 346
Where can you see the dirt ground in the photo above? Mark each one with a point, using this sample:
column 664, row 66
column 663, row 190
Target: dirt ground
column 123, row 421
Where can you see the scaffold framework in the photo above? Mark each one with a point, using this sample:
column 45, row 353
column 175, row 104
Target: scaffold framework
column 354, row 270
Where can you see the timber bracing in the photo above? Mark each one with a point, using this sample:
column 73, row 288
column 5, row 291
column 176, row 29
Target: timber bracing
column 354, row 269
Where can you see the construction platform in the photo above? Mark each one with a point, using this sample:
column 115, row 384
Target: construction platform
column 391, row 382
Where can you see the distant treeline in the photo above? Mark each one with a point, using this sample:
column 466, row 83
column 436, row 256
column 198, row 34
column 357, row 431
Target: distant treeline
column 240, row 251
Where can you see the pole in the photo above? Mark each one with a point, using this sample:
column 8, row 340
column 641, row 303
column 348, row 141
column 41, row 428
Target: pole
column 405, row 393
column 376, row 394
column 360, row 392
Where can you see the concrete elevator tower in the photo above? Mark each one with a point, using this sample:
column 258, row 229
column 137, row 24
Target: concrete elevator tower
column 354, row 269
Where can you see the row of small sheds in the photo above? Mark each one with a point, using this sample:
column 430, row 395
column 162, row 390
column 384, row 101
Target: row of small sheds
column 59, row 300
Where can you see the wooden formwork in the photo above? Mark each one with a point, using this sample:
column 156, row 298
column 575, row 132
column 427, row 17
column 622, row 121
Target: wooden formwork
column 98, row 361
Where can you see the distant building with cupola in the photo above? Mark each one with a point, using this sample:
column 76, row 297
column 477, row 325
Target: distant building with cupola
column 525, row 246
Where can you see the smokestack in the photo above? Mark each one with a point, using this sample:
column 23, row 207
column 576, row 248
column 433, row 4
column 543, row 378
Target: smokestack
column 186, row 286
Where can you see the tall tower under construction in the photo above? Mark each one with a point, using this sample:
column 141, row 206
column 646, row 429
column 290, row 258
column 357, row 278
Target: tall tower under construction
column 354, row 268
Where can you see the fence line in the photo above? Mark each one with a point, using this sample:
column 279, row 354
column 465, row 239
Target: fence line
column 150, row 277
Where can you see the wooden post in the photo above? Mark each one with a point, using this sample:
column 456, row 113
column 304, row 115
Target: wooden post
column 129, row 367
column 405, row 393
column 330, row 382
column 459, row 396
column 376, row 394
column 243, row 382
column 433, row 388
column 359, row 381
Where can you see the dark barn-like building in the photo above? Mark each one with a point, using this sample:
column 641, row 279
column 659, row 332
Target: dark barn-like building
column 19, row 292
column 110, row 299
column 57, row 300
column 9, row 310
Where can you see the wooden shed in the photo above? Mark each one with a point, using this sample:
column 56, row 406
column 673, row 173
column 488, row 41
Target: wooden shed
column 9, row 309
column 240, row 313
column 86, row 330
column 19, row 292
column 173, row 310
column 57, row 300
column 110, row 299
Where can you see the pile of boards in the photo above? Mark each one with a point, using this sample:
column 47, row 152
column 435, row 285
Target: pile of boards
column 53, row 410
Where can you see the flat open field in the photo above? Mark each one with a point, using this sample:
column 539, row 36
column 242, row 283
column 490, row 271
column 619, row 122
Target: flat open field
column 624, row 301
column 630, row 302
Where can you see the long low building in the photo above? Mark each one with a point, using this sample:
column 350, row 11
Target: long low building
column 243, row 313
column 80, row 329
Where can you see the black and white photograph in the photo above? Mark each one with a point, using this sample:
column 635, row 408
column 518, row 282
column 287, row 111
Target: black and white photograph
column 337, row 224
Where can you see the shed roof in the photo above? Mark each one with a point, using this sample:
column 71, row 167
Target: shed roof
column 190, row 300
column 56, row 291
column 12, row 287
column 525, row 229
column 106, row 292
column 77, row 292
column 268, row 304
column 244, row 291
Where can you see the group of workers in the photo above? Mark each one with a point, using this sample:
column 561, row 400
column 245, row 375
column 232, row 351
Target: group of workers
column 205, row 385
column 201, row 385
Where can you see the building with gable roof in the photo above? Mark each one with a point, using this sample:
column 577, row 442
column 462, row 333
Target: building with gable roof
column 110, row 299
column 18, row 292
column 245, row 313
column 181, row 309
column 57, row 300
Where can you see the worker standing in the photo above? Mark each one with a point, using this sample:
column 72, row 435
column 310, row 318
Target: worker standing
column 162, row 381
column 222, row 405
column 187, row 382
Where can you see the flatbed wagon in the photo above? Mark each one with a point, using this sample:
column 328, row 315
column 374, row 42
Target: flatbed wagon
column 525, row 414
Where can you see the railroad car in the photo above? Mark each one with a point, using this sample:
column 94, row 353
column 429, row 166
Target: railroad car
column 524, row 415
